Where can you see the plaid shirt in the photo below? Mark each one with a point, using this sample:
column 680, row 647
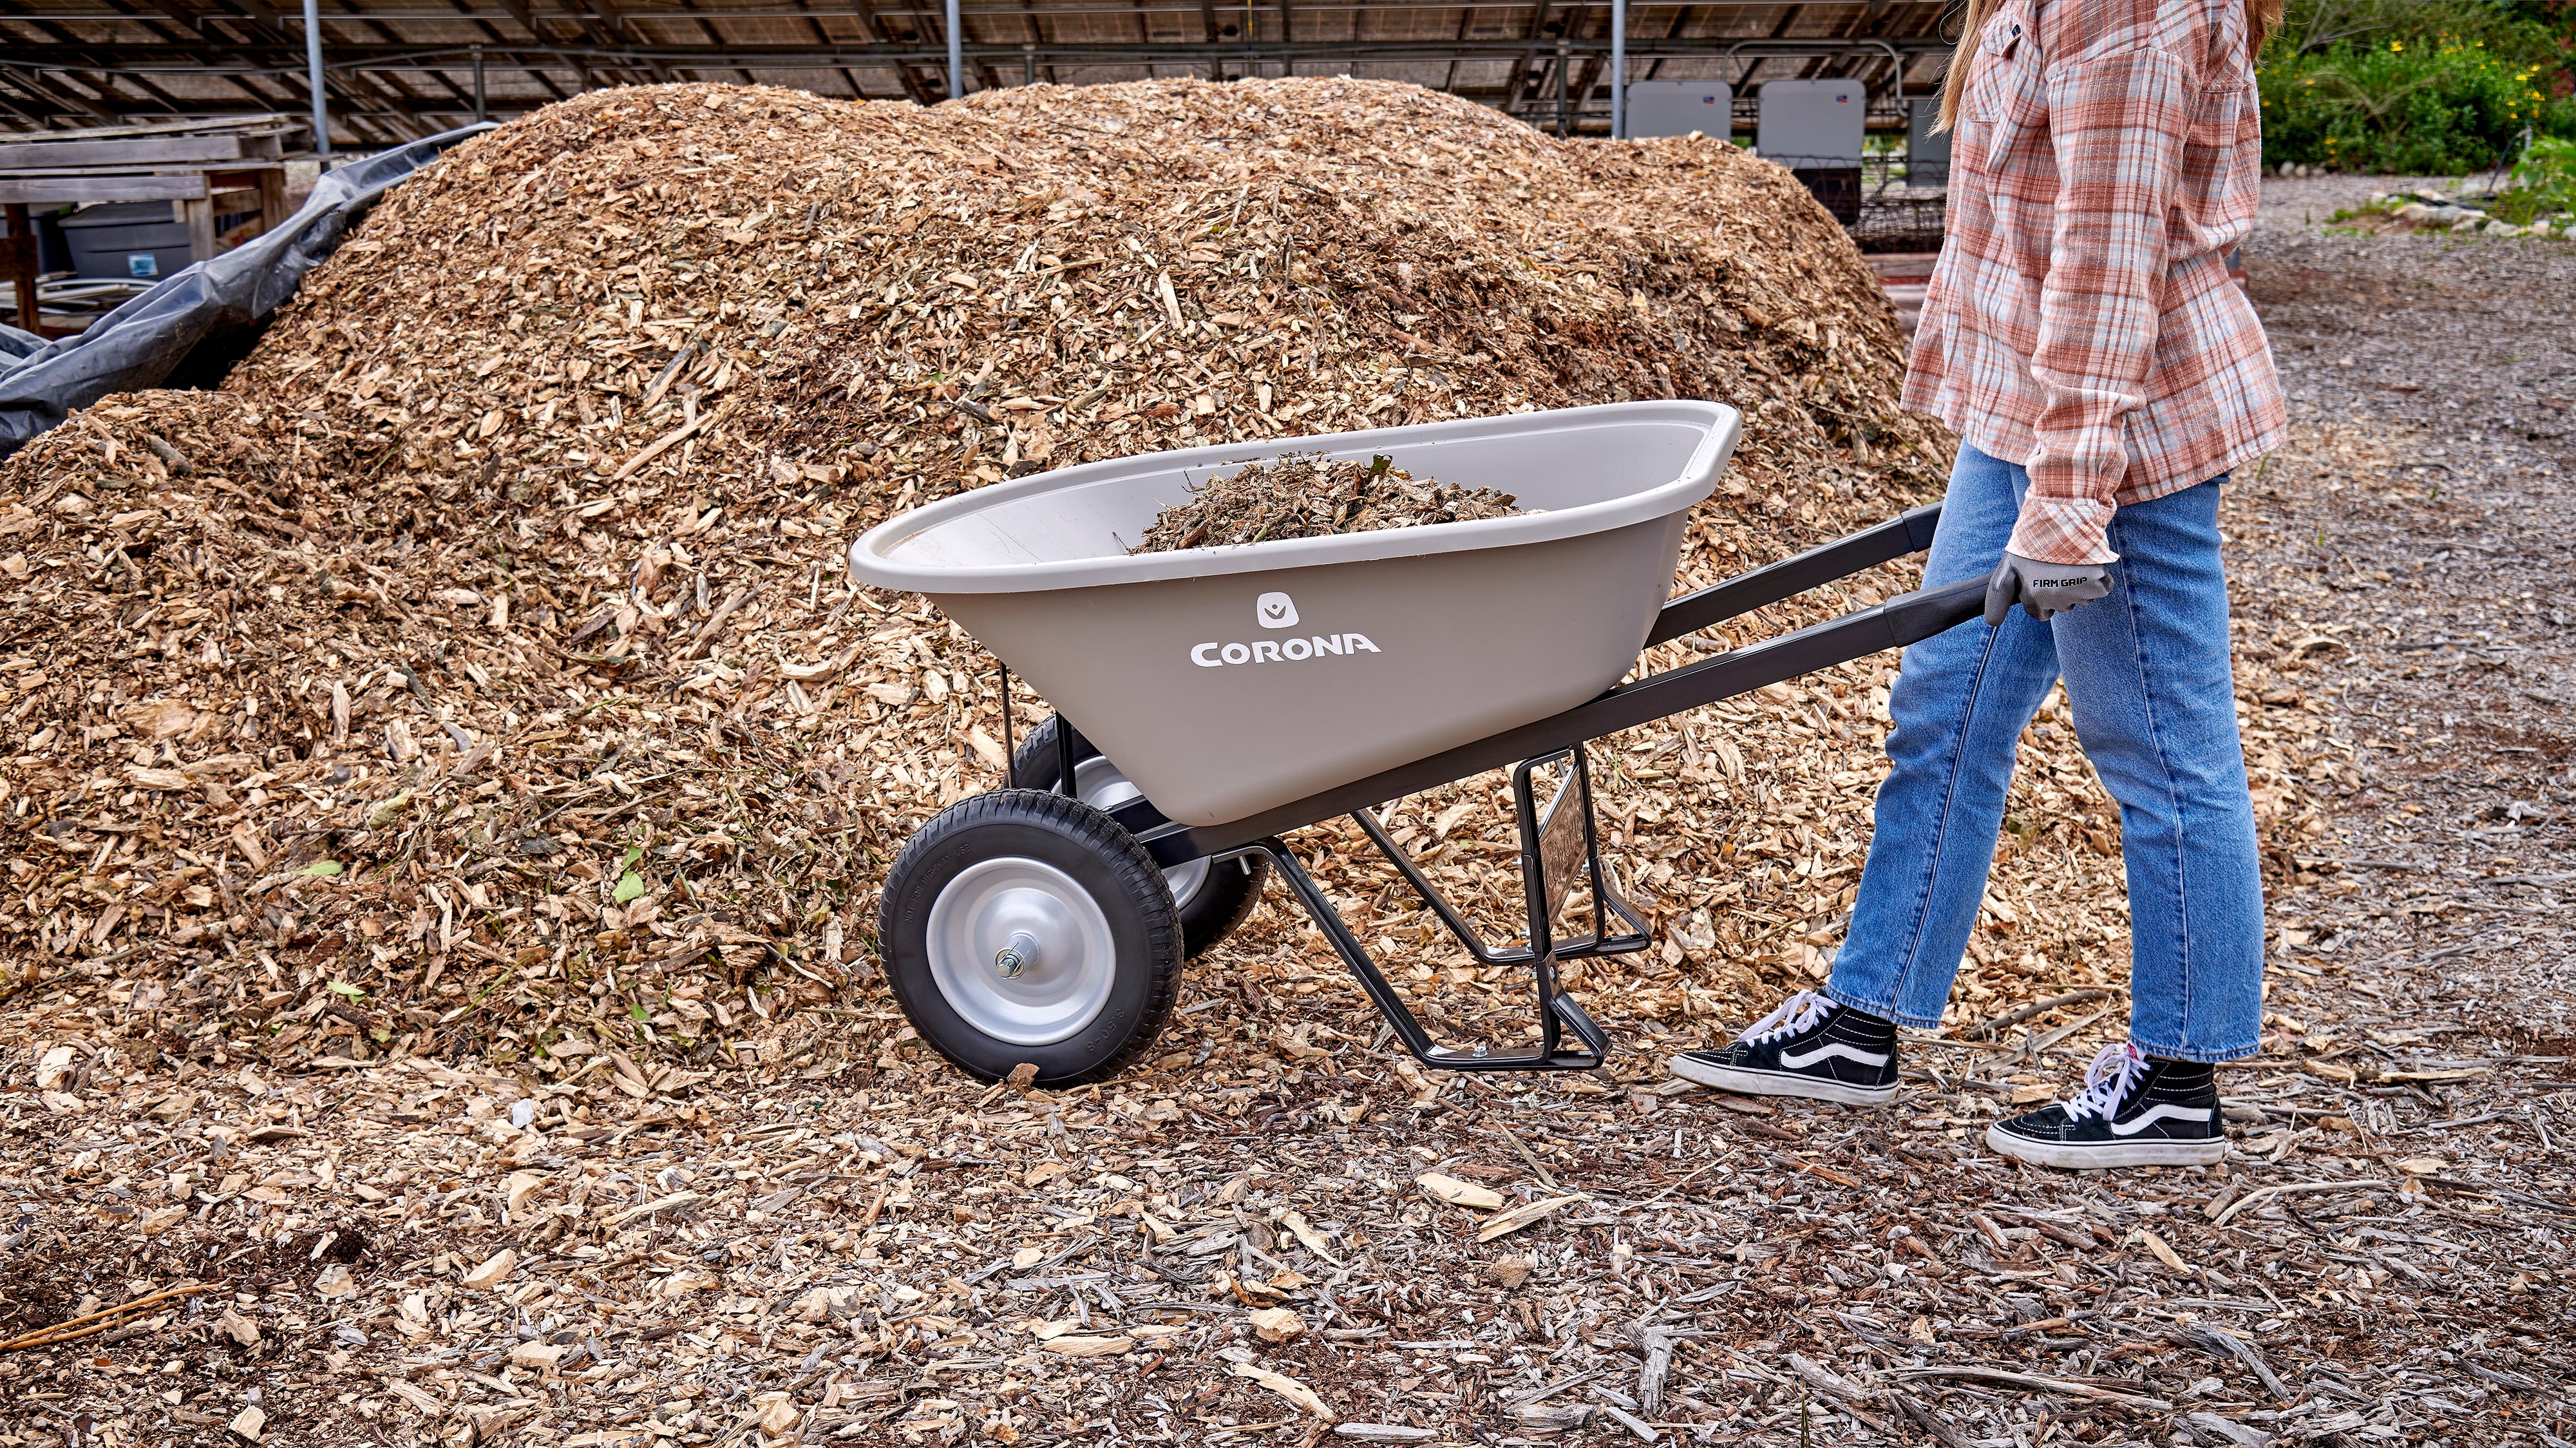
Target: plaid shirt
column 2080, row 320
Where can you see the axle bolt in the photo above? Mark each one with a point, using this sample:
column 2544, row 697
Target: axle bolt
column 1017, row 956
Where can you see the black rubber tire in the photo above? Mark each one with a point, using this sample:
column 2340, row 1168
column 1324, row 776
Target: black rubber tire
column 1106, row 861
column 1223, row 899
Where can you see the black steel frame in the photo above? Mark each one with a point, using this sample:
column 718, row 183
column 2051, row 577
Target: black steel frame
column 1895, row 623
column 1558, row 1013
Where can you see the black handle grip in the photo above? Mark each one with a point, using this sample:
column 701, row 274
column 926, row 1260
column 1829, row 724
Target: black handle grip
column 1914, row 617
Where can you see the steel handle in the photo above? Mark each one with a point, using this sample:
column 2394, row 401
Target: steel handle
column 1886, row 542
column 1914, row 617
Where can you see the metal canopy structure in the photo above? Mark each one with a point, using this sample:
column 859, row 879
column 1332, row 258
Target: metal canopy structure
column 398, row 69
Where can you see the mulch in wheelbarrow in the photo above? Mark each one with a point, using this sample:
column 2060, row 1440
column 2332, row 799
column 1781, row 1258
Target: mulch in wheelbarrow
column 483, row 644
column 1314, row 495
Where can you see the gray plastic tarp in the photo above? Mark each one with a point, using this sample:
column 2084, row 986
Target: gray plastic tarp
column 189, row 330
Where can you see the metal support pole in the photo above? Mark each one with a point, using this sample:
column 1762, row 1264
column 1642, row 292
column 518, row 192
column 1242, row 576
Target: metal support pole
column 1028, row 63
column 313, row 78
column 1564, row 63
column 1619, row 69
column 956, row 54
column 479, row 108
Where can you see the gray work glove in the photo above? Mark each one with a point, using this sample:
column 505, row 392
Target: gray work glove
column 2042, row 589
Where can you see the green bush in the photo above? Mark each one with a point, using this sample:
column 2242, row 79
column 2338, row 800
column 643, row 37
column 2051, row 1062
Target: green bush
column 2436, row 87
column 2543, row 182
column 2426, row 106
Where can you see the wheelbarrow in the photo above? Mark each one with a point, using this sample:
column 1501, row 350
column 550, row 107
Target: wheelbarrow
column 1211, row 700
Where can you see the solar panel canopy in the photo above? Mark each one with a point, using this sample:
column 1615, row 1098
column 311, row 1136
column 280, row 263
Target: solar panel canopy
column 399, row 69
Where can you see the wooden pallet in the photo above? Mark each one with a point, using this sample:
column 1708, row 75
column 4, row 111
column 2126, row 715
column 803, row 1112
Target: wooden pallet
column 197, row 166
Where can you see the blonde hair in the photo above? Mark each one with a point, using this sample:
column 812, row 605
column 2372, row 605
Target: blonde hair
column 2260, row 18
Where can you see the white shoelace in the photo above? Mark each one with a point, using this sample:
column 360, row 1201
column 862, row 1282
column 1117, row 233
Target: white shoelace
column 1798, row 1013
column 2114, row 1072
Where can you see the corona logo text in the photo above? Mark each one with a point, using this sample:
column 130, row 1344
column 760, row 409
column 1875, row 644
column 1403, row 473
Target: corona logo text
column 1281, row 651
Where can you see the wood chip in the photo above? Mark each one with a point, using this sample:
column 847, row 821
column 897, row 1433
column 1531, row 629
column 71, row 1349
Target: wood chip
column 1528, row 1213
column 1286, row 1387
column 1458, row 1193
column 2164, row 1252
column 1085, row 1347
column 1314, row 495
column 494, row 1270
column 1276, row 1324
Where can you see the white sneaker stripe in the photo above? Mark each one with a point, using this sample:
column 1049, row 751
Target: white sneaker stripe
column 2154, row 1114
column 1830, row 1052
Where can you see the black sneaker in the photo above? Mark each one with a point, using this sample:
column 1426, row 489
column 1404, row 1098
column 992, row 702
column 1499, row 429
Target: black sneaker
column 1809, row 1047
column 2133, row 1111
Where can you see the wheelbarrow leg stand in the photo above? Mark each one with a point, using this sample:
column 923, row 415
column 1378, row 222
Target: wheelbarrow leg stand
column 1546, row 876
column 1557, row 1011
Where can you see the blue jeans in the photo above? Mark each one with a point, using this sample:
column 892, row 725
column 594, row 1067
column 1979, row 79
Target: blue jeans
column 2154, row 702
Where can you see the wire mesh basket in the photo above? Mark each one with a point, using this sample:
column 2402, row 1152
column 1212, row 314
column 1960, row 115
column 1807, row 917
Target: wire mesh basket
column 1895, row 220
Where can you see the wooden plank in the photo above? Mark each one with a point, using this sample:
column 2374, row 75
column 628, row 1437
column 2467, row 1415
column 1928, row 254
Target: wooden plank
column 273, row 210
column 238, row 184
column 1902, row 266
column 244, row 123
column 229, row 188
column 167, row 168
column 200, row 214
column 19, row 260
column 151, row 151
column 57, row 190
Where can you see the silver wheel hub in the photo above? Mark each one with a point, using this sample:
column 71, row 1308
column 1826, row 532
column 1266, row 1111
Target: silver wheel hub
column 1102, row 786
column 1021, row 951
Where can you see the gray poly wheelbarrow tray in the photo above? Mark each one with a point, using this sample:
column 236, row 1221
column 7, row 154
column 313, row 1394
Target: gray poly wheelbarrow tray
column 1245, row 691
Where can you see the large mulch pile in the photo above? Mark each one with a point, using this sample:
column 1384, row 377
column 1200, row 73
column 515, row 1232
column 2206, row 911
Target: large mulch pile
column 484, row 651
column 468, row 701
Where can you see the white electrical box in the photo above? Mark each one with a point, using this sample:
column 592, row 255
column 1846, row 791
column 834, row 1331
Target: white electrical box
column 1812, row 123
column 1679, row 107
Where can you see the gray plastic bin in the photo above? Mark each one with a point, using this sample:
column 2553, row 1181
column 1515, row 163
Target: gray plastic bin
column 137, row 240
column 1230, row 680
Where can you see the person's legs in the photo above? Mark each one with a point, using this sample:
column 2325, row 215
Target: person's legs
column 2154, row 700
column 1960, row 702
column 2153, row 697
